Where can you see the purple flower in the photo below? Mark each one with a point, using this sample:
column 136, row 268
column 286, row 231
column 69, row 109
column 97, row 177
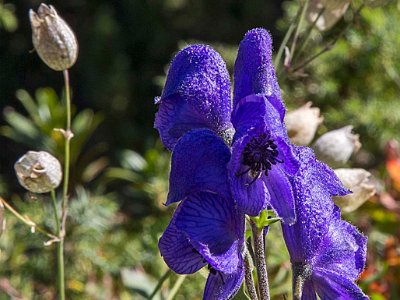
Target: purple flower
column 206, row 229
column 327, row 253
column 197, row 95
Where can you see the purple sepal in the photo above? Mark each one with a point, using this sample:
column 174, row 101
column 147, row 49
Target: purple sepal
column 178, row 253
column 196, row 95
column 329, row 285
column 198, row 164
column 214, row 228
column 254, row 72
column 221, row 286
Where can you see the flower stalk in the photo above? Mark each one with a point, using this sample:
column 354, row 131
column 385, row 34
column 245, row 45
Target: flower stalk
column 258, row 240
column 248, row 277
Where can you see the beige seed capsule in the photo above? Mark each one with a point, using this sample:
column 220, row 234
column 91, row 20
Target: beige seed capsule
column 360, row 183
column 53, row 39
column 38, row 172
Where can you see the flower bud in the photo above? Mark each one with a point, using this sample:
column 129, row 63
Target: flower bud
column 38, row 172
column 359, row 182
column 331, row 11
column 53, row 39
column 302, row 124
column 335, row 147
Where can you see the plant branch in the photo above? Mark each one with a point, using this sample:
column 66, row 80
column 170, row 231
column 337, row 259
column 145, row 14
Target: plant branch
column 34, row 227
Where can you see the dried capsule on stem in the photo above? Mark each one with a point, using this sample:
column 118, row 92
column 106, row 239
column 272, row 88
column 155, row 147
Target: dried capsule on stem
column 53, row 39
column 38, row 172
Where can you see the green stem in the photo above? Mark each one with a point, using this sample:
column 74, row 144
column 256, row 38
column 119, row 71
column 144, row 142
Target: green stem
column 68, row 135
column 60, row 245
column 67, row 150
column 160, row 283
column 259, row 248
column 299, row 25
column 308, row 34
column 176, row 287
column 282, row 47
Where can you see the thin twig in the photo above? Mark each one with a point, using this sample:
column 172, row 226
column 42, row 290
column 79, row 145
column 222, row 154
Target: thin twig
column 329, row 45
column 176, row 287
column 34, row 227
column 160, row 283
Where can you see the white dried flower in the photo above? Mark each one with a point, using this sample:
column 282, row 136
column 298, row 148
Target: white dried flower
column 38, row 172
column 335, row 147
column 359, row 182
column 303, row 123
column 53, row 39
column 332, row 11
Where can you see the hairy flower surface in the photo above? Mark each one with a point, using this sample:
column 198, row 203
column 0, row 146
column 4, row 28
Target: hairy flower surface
column 327, row 253
column 197, row 95
column 207, row 229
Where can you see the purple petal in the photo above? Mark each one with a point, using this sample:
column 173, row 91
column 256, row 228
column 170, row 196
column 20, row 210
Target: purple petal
column 282, row 199
column 199, row 163
column 343, row 250
column 308, row 291
column 196, row 95
column 333, row 286
column 214, row 228
column 254, row 72
column 257, row 111
column 178, row 253
column 287, row 154
column 221, row 286
column 251, row 196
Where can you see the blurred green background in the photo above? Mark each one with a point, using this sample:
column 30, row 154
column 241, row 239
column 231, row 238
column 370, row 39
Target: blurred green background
column 119, row 167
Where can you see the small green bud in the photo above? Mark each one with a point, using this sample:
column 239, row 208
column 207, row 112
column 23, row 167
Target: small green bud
column 38, row 172
column 53, row 39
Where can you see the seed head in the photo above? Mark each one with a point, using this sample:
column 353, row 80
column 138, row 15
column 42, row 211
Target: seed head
column 359, row 182
column 302, row 124
column 38, row 172
column 335, row 147
column 53, row 39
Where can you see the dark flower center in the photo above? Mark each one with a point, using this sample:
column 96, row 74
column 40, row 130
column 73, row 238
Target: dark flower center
column 260, row 154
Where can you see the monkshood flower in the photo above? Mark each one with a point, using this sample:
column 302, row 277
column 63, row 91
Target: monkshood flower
column 327, row 253
column 197, row 95
column 206, row 229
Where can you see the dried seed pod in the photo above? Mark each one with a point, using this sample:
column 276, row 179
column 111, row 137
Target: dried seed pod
column 53, row 39
column 329, row 12
column 302, row 124
column 335, row 147
column 38, row 172
column 359, row 182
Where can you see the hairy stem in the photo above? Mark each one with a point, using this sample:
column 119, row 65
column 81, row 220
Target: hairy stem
column 248, row 276
column 258, row 240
